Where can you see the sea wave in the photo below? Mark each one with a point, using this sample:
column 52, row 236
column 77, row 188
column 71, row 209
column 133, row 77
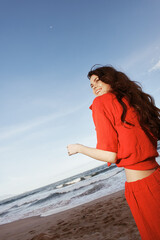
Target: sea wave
column 50, row 197
column 16, row 198
column 4, row 213
column 71, row 182
column 94, row 189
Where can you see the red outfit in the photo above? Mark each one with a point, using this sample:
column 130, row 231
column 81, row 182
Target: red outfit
column 134, row 151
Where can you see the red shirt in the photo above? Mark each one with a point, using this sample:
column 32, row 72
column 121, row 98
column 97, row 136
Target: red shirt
column 133, row 147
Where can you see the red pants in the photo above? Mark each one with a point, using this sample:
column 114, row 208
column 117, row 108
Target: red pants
column 143, row 197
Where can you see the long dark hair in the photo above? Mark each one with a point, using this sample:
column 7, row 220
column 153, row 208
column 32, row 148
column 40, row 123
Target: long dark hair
column 143, row 103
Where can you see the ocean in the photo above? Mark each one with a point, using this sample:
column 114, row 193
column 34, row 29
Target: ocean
column 64, row 194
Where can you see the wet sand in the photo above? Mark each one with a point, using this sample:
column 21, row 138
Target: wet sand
column 105, row 218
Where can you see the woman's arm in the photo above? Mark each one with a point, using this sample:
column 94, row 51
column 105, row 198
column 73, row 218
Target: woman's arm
column 95, row 153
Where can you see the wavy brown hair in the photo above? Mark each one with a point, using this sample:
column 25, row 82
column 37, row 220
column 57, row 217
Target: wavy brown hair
column 143, row 103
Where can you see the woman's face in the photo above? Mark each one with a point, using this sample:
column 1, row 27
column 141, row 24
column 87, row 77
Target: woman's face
column 99, row 88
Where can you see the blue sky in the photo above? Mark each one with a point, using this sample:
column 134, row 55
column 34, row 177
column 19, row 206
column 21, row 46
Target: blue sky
column 47, row 48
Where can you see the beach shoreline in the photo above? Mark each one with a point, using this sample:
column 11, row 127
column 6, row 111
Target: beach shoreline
column 108, row 217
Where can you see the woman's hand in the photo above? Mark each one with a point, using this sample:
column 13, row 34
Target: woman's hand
column 73, row 149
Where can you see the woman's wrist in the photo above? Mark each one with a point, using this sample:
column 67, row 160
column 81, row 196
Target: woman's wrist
column 80, row 148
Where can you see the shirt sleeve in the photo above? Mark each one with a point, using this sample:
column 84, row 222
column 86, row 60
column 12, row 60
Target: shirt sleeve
column 104, row 124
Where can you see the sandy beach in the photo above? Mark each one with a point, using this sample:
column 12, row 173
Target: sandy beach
column 108, row 217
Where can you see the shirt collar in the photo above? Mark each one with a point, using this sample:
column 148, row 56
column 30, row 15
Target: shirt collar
column 90, row 107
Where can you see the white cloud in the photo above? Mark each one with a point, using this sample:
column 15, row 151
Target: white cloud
column 141, row 59
column 142, row 54
column 155, row 67
column 11, row 131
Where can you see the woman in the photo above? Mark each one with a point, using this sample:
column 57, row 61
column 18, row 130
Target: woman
column 128, row 126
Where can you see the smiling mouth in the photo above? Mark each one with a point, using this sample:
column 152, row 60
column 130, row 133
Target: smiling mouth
column 97, row 91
